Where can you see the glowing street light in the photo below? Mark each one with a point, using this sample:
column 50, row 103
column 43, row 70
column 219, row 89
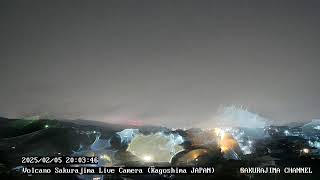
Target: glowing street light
column 305, row 150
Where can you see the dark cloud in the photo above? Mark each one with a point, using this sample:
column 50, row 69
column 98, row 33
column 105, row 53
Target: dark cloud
column 164, row 62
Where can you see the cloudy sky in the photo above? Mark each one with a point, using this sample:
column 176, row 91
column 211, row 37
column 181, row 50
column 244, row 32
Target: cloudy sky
column 160, row 62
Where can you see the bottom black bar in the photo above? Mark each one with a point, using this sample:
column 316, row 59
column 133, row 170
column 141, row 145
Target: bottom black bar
column 117, row 170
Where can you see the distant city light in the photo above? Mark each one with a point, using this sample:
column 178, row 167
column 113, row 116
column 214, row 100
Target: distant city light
column 46, row 126
column 286, row 132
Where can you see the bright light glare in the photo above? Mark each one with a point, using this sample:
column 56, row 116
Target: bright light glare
column 147, row 158
column 219, row 132
column 305, row 150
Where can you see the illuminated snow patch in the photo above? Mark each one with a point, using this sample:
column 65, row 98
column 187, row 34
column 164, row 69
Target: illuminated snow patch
column 235, row 116
column 100, row 144
column 317, row 127
column 127, row 135
column 156, row 147
column 315, row 144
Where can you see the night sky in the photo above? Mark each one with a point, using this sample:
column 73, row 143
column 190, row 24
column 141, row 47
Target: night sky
column 171, row 63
